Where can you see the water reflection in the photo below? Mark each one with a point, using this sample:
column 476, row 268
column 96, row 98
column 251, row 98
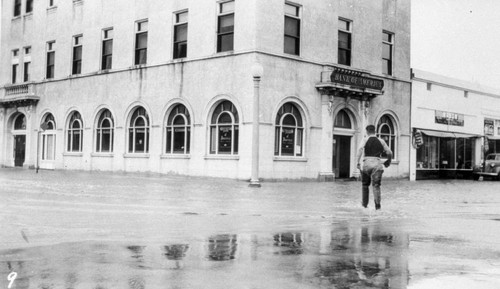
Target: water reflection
column 365, row 255
column 222, row 247
column 291, row 241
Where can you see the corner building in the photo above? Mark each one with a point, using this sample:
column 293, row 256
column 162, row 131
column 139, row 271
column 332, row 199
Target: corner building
column 168, row 86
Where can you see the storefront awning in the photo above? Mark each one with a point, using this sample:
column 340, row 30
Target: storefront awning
column 447, row 134
column 497, row 137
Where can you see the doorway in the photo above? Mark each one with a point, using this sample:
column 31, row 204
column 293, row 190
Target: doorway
column 19, row 150
column 342, row 156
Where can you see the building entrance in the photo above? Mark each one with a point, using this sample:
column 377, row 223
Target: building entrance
column 19, row 150
column 342, row 156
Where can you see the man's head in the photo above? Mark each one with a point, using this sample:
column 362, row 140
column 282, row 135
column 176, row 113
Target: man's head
column 370, row 129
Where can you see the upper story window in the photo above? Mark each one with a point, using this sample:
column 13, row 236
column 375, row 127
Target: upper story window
column 77, row 55
column 289, row 131
column 107, row 49
column 345, row 42
column 15, row 65
column 51, row 57
column 387, row 45
column 29, row 6
column 180, row 34
column 75, row 132
column 224, row 132
column 178, row 131
column 17, row 8
column 141, row 42
column 52, row 3
column 292, row 29
column 27, row 63
column 225, row 27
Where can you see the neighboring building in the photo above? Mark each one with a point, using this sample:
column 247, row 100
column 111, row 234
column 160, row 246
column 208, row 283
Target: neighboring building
column 459, row 122
column 167, row 86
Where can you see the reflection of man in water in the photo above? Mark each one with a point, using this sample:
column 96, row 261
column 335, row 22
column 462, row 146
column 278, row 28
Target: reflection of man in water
column 372, row 148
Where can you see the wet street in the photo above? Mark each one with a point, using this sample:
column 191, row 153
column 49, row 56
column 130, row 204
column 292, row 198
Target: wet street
column 63, row 229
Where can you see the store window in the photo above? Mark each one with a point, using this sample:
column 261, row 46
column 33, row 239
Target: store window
column 289, row 131
column 224, row 129
column 225, row 27
column 138, row 132
column 75, row 132
column 386, row 130
column 180, row 34
column 178, row 131
column 292, row 29
column 445, row 153
column 48, row 137
column 104, row 132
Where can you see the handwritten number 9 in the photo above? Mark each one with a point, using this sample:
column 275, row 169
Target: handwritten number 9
column 12, row 276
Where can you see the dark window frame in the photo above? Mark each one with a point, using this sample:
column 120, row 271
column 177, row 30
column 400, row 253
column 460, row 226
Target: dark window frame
column 387, row 63
column 138, row 132
column 15, row 69
column 180, row 46
column 224, row 134
column 17, row 8
column 224, row 36
column 76, row 64
column 347, row 48
column 178, row 133
column 289, row 137
column 296, row 21
column 50, row 60
column 107, row 58
column 29, row 6
column 141, row 53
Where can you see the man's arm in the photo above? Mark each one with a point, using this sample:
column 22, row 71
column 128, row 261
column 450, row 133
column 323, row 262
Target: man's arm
column 361, row 151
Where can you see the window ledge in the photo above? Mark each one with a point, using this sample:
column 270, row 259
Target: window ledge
column 136, row 155
column 73, row 154
column 102, row 155
column 222, row 157
column 51, row 9
column 175, row 156
column 29, row 15
column 289, row 159
column 15, row 18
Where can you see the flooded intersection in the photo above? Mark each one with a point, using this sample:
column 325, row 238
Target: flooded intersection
column 221, row 234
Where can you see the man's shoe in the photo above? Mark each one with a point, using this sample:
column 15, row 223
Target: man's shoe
column 377, row 206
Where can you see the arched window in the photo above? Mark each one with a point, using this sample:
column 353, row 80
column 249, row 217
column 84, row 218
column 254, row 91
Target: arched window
column 224, row 129
column 20, row 122
column 289, row 131
column 343, row 120
column 178, row 131
column 138, row 133
column 104, row 132
column 386, row 131
column 48, row 137
column 75, row 132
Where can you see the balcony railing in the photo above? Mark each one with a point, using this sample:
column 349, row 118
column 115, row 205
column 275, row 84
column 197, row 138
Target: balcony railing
column 18, row 94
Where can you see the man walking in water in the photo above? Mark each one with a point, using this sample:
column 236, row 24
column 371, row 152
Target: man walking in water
column 372, row 149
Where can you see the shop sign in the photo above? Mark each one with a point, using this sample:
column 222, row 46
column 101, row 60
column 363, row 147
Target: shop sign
column 449, row 118
column 489, row 127
column 354, row 79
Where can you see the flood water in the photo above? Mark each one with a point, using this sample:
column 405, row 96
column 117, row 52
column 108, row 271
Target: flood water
column 83, row 230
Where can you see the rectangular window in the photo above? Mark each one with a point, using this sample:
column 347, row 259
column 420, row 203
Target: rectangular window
column 292, row 29
column 52, row 3
column 51, row 57
column 387, row 43
column 29, row 6
column 225, row 27
column 180, row 35
column 141, row 42
column 17, row 8
column 107, row 49
column 77, row 55
column 26, row 77
column 14, row 73
column 344, row 45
